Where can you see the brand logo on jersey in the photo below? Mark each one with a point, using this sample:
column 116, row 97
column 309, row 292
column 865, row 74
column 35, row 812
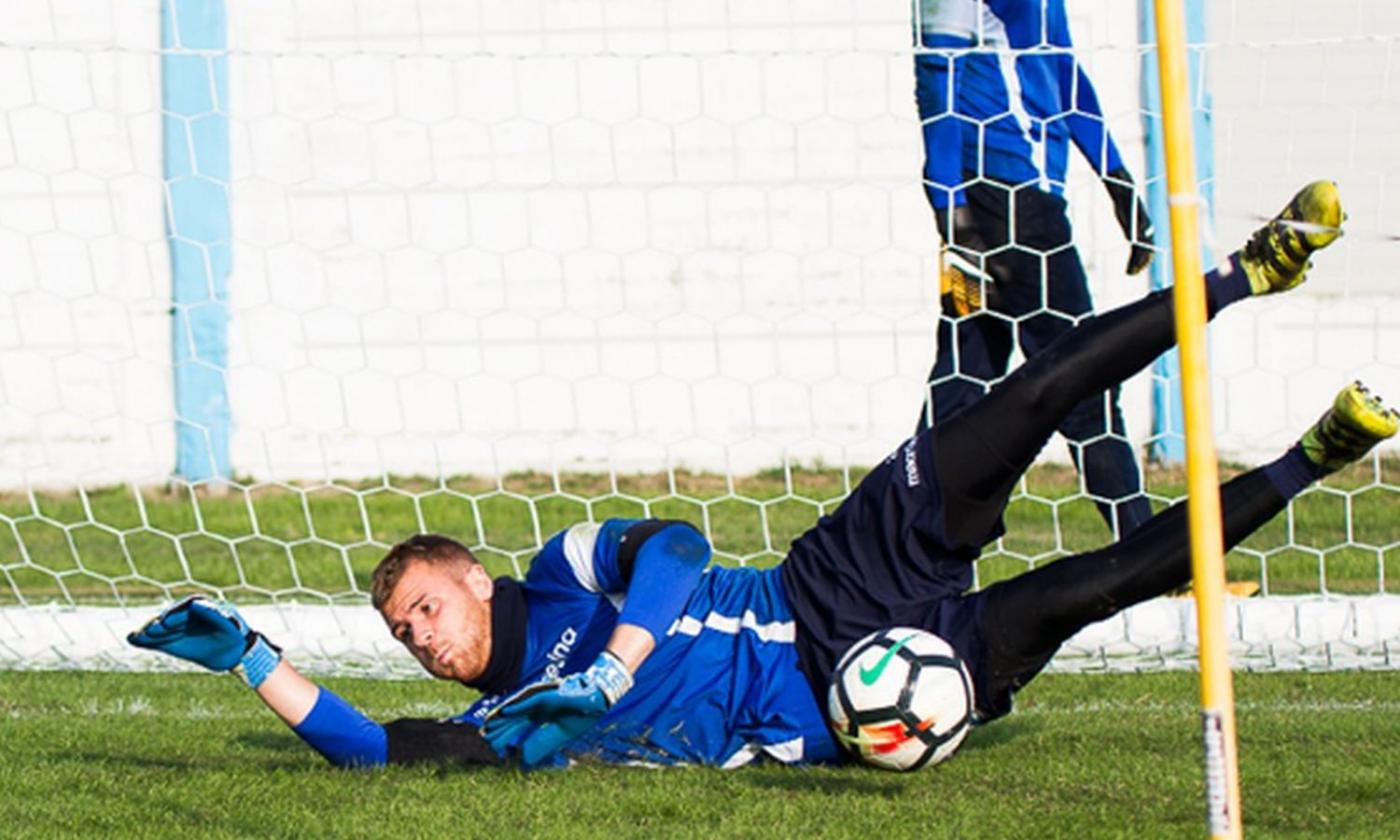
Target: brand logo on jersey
column 871, row 675
column 559, row 653
column 484, row 707
column 911, row 462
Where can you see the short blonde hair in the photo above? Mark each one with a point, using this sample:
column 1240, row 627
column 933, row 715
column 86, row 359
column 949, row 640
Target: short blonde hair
column 419, row 548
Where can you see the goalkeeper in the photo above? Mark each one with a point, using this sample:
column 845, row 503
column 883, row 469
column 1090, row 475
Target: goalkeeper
column 620, row 646
column 996, row 144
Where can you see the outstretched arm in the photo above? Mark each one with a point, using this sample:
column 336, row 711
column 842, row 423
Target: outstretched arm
column 347, row 738
column 287, row 693
column 217, row 637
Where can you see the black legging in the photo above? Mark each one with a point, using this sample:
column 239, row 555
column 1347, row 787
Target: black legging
column 1041, row 292
column 1028, row 617
column 982, row 452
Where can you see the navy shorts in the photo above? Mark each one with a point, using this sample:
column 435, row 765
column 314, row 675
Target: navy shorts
column 885, row 558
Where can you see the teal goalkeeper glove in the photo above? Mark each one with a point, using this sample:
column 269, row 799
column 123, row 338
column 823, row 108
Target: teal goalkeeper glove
column 551, row 714
column 212, row 635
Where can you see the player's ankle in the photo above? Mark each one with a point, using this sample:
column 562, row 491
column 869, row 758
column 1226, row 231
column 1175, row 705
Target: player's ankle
column 1292, row 473
column 1228, row 284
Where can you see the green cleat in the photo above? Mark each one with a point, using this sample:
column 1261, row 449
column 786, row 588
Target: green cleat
column 1276, row 257
column 1357, row 421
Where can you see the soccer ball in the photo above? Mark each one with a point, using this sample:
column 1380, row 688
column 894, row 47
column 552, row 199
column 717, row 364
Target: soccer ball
column 900, row 699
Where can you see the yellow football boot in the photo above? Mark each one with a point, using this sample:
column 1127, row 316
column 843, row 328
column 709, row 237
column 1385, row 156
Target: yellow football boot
column 1356, row 422
column 1276, row 257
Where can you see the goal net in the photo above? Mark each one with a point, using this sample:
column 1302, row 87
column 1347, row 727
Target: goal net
column 490, row 268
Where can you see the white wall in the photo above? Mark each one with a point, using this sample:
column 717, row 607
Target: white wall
column 474, row 237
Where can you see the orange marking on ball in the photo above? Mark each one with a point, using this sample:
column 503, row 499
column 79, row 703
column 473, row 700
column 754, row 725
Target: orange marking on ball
column 887, row 738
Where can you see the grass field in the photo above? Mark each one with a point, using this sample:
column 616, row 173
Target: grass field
column 104, row 754
column 267, row 541
column 134, row 755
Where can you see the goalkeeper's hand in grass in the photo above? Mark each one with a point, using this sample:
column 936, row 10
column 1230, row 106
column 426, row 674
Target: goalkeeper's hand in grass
column 1132, row 217
column 543, row 718
column 212, row 635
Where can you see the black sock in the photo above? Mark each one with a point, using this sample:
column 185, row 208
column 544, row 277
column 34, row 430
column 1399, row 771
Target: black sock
column 1226, row 285
column 1292, row 473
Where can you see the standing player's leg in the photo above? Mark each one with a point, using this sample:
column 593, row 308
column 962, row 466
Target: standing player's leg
column 982, row 452
column 1099, row 447
column 1094, row 428
column 973, row 350
column 1018, row 624
column 974, row 329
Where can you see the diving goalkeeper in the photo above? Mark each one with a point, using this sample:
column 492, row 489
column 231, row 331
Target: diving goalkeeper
column 621, row 646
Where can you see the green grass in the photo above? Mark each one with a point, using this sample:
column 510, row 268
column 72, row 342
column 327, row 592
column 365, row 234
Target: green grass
column 91, row 754
column 130, row 755
column 268, row 541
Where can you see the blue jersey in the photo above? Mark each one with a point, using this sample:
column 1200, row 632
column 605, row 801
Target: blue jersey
column 722, row 686
column 1001, row 96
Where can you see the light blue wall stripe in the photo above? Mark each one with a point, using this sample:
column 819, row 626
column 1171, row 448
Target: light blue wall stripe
column 1168, row 427
column 194, row 93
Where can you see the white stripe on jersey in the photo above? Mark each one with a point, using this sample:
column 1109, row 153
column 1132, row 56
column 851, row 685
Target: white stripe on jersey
column 578, row 550
column 742, row 756
column 788, row 752
column 995, row 36
column 579, row 543
column 773, row 631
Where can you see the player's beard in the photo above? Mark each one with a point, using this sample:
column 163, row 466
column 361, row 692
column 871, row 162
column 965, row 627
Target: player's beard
column 469, row 651
column 443, row 669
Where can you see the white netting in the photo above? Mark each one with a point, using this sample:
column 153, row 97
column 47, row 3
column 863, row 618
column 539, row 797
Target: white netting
column 499, row 266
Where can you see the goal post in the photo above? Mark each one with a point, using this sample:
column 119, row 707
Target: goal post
column 498, row 267
column 195, row 164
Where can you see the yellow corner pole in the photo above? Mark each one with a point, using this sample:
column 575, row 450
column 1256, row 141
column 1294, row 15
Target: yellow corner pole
column 1203, row 499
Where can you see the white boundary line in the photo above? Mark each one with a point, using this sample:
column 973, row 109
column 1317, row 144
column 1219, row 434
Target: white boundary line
column 1274, row 634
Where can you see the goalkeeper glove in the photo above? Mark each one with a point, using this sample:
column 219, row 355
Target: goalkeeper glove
column 212, row 635
column 1132, row 218
column 543, row 718
column 967, row 282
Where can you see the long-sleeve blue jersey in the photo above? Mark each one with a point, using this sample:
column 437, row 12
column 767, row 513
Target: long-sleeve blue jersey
column 722, row 686
column 1001, row 95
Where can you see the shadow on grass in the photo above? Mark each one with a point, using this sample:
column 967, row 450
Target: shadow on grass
column 996, row 734
column 149, row 762
column 852, row 779
column 286, row 744
column 273, row 741
column 860, row 781
column 137, row 760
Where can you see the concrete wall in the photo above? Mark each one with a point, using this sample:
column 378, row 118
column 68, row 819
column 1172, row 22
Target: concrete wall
column 476, row 237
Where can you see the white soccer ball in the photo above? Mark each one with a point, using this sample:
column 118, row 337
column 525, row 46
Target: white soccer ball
column 901, row 699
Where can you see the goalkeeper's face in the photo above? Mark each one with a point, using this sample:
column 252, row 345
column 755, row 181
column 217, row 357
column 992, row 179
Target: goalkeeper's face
column 442, row 614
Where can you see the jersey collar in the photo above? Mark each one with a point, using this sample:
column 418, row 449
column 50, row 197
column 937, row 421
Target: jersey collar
column 502, row 670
